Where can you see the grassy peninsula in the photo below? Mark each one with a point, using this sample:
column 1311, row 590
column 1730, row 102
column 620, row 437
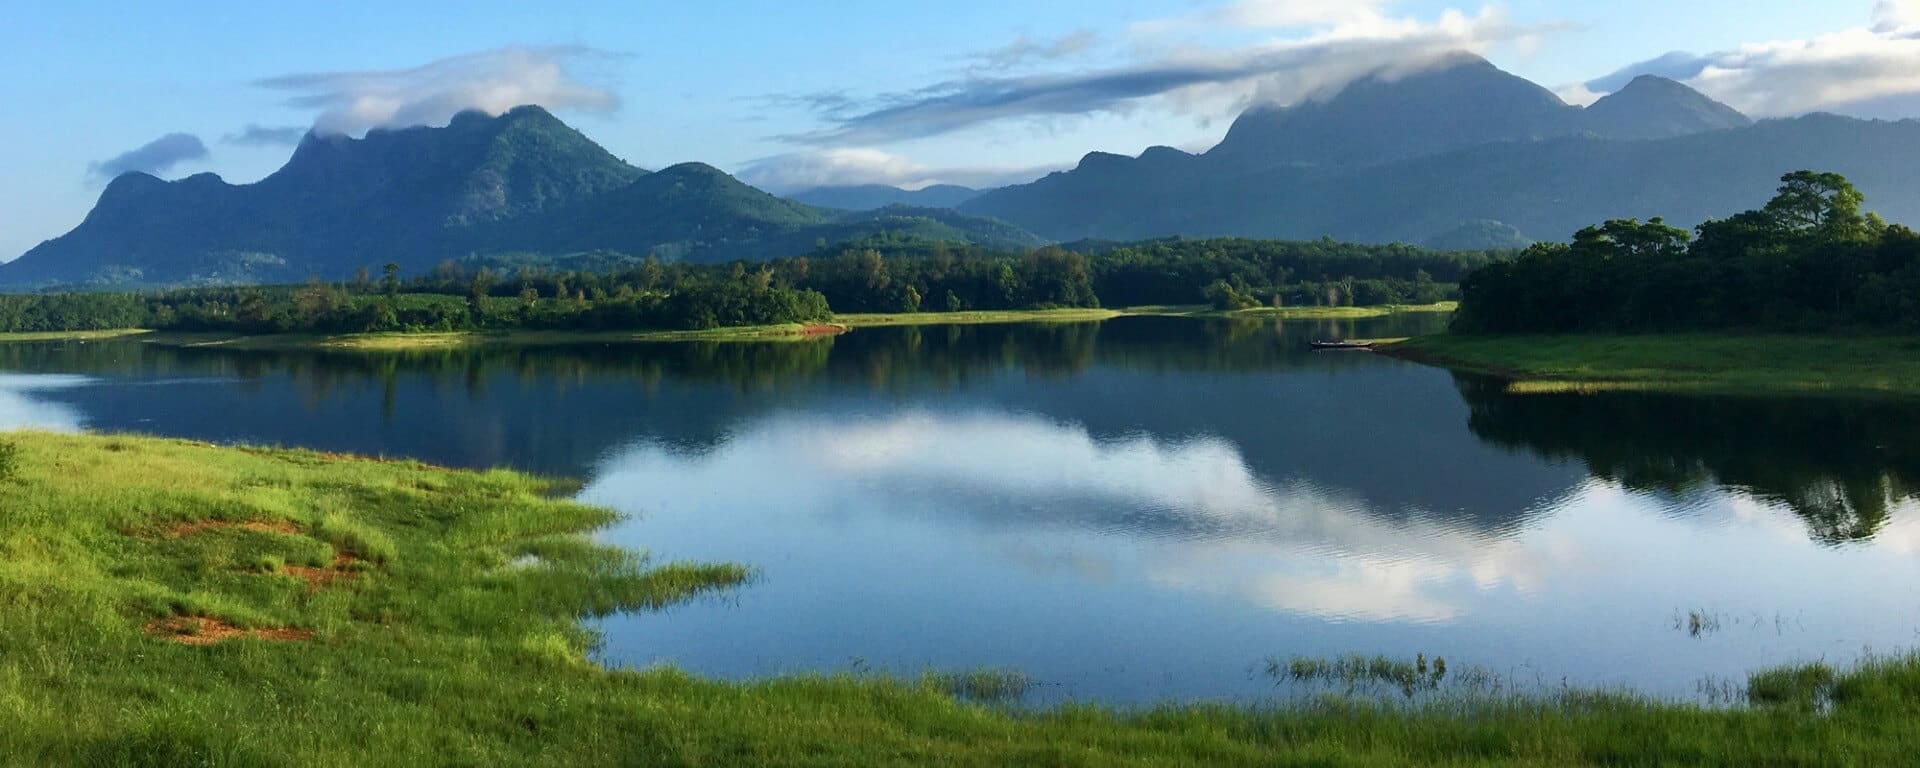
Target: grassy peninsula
column 1808, row 294
column 1093, row 315
column 1692, row 362
column 172, row 603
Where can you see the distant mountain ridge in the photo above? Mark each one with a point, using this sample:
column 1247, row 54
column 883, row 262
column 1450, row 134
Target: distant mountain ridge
column 522, row 182
column 1456, row 155
column 1462, row 153
column 867, row 197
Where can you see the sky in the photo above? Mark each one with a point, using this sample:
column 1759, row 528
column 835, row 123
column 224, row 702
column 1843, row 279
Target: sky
column 789, row 95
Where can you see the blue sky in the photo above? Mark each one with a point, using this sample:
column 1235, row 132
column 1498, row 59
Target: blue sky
column 788, row 94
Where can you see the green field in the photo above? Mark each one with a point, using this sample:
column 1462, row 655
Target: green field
column 172, row 603
column 1874, row 365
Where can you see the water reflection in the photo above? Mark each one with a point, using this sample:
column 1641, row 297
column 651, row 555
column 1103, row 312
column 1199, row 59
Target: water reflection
column 23, row 404
column 1195, row 504
column 1841, row 465
column 1131, row 510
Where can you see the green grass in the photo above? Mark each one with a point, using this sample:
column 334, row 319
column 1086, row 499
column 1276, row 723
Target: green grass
column 6, row 338
column 1293, row 313
column 1840, row 365
column 402, row 341
column 982, row 317
column 986, row 317
column 358, row 612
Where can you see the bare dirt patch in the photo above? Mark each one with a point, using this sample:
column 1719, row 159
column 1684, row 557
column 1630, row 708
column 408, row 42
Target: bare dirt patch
column 201, row 630
column 182, row 530
column 344, row 568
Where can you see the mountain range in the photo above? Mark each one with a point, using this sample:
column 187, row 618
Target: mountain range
column 520, row 183
column 867, row 197
column 1463, row 155
column 1457, row 155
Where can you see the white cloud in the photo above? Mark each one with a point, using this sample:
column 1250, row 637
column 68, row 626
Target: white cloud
column 1270, row 14
column 1208, row 83
column 1892, row 15
column 1578, row 94
column 431, row 94
column 1025, row 49
column 1862, row 69
column 155, row 157
column 848, row 166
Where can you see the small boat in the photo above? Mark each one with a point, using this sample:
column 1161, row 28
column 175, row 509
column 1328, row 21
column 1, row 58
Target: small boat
column 1341, row 344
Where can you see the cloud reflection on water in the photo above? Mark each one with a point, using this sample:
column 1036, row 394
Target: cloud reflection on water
column 1206, row 521
column 20, row 409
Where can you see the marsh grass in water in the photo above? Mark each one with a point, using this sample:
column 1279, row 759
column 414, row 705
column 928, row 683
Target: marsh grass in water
column 987, row 685
column 1371, row 676
column 152, row 613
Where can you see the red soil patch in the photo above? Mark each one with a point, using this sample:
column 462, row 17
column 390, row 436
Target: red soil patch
column 340, row 570
column 180, row 530
column 822, row 329
column 200, row 630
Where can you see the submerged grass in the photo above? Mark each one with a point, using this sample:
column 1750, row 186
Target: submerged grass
column 1711, row 363
column 152, row 613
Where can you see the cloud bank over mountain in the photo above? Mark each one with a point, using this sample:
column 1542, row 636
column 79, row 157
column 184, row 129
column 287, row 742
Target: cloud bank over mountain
column 155, row 157
column 493, row 81
column 1869, row 64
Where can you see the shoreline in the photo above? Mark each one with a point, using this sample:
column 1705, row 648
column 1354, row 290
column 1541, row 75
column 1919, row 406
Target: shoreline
column 411, row 614
column 429, row 340
column 1725, row 364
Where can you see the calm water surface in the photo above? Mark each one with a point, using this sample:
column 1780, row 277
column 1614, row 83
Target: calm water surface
column 1134, row 511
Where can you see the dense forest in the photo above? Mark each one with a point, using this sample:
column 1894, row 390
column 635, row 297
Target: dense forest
column 604, row 290
column 1810, row 260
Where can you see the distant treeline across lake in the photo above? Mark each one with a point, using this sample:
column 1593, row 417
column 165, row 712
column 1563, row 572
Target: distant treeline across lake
column 607, row 291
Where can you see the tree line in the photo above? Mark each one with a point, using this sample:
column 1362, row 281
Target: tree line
column 880, row 274
column 1810, row 260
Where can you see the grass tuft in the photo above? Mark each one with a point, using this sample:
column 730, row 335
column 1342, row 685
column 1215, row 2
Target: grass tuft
column 985, row 686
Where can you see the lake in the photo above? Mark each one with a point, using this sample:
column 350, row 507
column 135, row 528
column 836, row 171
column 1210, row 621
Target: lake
column 1134, row 511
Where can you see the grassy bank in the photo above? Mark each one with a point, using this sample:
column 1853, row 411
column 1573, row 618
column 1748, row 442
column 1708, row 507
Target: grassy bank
column 984, row 317
column 171, row 603
column 374, row 342
column 396, row 341
column 1295, row 313
column 71, row 335
column 1158, row 310
column 1684, row 362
